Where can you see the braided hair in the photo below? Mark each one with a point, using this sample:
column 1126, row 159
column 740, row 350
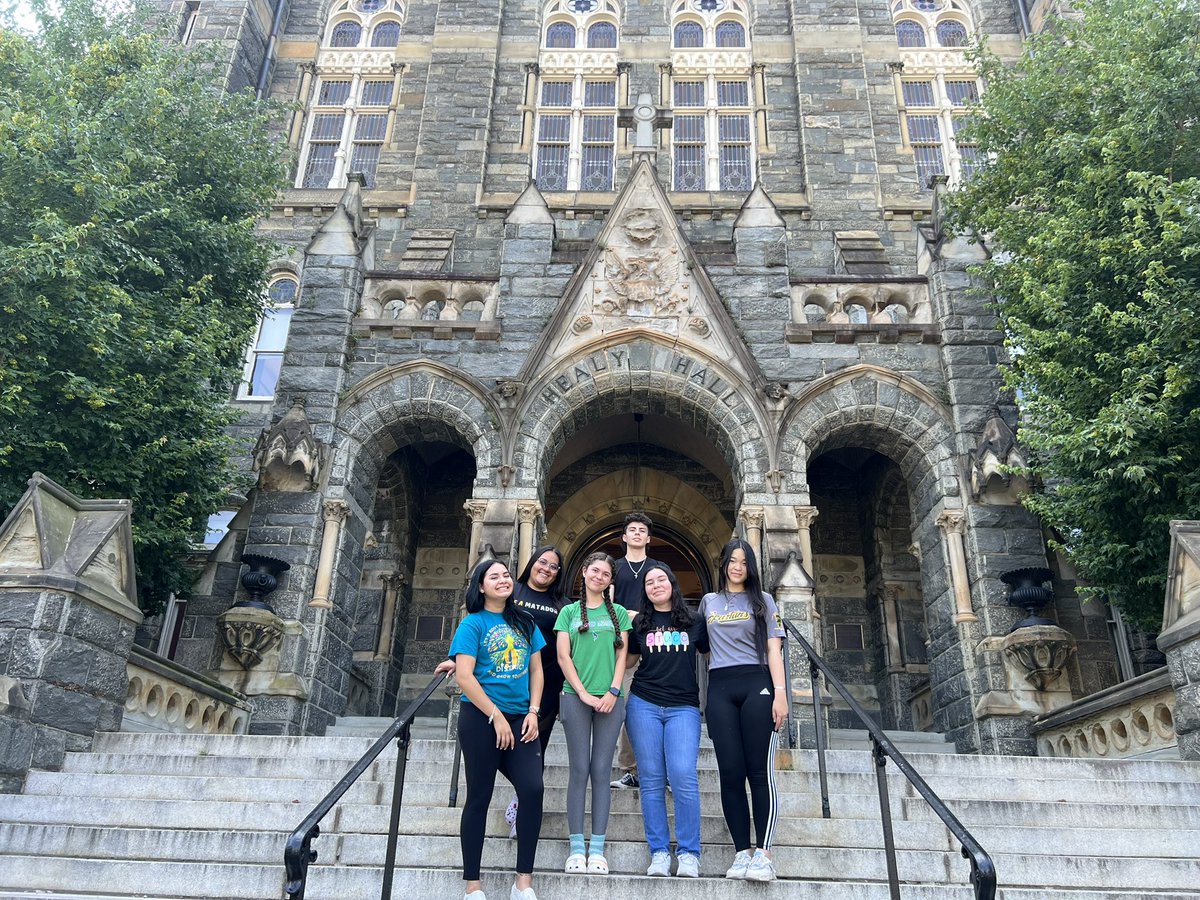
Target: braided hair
column 600, row 556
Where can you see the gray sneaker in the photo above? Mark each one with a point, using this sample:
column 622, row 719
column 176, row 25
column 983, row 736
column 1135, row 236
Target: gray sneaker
column 689, row 866
column 741, row 863
column 660, row 863
column 761, row 868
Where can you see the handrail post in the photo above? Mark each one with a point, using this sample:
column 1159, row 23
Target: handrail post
column 885, row 815
column 403, row 739
column 819, row 729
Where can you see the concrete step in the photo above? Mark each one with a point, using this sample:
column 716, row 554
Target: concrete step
column 255, row 881
column 300, row 749
column 375, row 786
column 905, row 741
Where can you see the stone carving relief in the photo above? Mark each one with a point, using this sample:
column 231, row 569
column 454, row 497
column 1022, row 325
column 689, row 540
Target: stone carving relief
column 641, row 269
column 992, row 463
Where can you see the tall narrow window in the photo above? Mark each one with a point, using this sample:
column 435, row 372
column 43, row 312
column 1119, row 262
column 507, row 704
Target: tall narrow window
column 346, row 34
column 951, row 33
column 265, row 358
column 386, row 34
column 554, row 147
column 731, row 34
column 688, row 138
column 910, row 34
column 602, row 36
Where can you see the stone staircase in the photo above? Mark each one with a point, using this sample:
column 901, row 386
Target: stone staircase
column 192, row 816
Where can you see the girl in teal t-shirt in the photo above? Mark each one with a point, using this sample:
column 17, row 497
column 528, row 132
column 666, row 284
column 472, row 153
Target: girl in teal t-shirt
column 498, row 666
column 592, row 636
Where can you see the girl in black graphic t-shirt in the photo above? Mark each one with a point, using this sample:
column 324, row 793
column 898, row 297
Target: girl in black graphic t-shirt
column 663, row 720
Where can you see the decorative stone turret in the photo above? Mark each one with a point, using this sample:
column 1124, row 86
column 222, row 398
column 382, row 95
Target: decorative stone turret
column 1180, row 637
column 68, row 610
column 287, row 457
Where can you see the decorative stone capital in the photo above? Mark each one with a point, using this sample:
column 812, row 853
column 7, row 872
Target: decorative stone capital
column 527, row 513
column 952, row 521
column 336, row 511
column 475, row 509
column 806, row 515
column 752, row 516
column 392, row 581
column 249, row 633
column 532, row 68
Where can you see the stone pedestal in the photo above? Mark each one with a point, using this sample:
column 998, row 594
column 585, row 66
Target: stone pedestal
column 1180, row 637
column 68, row 611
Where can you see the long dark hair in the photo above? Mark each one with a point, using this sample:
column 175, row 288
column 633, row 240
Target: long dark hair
column 518, row 619
column 681, row 615
column 555, row 593
column 758, row 603
column 600, row 556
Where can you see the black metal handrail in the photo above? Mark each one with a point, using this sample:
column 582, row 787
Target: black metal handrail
column 298, row 854
column 983, row 870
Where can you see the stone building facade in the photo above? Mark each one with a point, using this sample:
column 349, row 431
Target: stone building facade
column 545, row 263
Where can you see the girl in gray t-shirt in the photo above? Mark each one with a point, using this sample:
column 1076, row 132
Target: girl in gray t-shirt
column 747, row 703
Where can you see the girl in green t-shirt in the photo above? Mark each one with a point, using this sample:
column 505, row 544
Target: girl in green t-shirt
column 592, row 636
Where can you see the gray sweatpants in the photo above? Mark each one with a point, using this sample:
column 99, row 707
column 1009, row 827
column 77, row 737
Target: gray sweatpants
column 591, row 741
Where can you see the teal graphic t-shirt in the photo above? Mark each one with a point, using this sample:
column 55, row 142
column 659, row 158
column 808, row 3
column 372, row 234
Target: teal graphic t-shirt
column 501, row 658
column 592, row 652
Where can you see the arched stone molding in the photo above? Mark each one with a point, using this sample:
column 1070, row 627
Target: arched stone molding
column 881, row 410
column 636, row 371
column 663, row 497
column 409, row 403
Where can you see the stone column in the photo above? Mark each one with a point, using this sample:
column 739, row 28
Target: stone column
column 475, row 509
column 527, row 514
column 891, row 627
column 1180, row 637
column 952, row 523
column 68, row 610
column 335, row 514
column 392, row 582
column 804, row 519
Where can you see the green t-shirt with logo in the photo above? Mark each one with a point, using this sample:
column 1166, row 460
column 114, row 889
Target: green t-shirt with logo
column 592, row 651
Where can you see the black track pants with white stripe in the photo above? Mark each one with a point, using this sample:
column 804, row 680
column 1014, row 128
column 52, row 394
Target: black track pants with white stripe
column 739, row 722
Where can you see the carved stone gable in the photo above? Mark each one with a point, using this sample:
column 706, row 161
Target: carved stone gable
column 641, row 275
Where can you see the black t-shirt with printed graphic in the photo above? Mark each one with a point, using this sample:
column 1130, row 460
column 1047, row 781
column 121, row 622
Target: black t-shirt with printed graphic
column 666, row 675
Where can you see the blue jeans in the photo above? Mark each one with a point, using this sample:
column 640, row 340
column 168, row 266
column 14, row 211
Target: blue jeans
column 666, row 742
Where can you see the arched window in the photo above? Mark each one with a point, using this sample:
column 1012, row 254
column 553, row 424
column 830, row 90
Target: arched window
column 731, row 34
column 560, row 36
column 602, row 36
column 265, row 357
column 386, row 34
column 345, row 34
column 688, row 35
column 910, row 34
column 951, row 33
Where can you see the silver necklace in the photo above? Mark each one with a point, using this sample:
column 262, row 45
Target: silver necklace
column 637, row 573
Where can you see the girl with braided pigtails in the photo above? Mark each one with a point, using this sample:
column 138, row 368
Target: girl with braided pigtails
column 592, row 639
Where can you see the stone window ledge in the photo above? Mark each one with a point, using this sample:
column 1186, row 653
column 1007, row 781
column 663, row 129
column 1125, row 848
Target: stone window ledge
column 861, row 334
column 419, row 329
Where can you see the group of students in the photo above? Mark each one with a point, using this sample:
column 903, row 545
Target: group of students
column 524, row 656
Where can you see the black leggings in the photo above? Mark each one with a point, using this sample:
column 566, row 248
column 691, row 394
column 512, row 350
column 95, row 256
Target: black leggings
column 522, row 765
column 739, row 722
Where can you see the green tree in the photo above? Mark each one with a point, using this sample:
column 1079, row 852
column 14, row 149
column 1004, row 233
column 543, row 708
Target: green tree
column 131, row 276
column 1090, row 202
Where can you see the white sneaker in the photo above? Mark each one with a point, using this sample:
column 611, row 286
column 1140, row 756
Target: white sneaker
column 475, row 895
column 761, row 868
column 741, row 863
column 689, row 866
column 660, row 863
column 526, row 894
column 597, row 865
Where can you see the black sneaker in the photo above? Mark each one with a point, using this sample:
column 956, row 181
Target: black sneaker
column 626, row 781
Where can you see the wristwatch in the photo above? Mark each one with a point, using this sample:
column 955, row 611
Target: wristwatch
column 616, row 692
